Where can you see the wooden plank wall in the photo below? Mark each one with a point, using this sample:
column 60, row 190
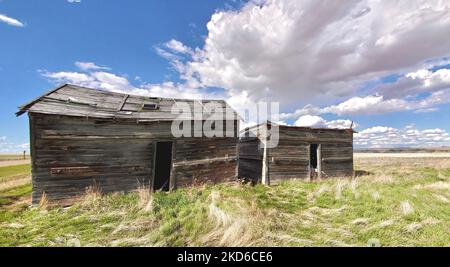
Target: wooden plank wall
column 337, row 160
column 204, row 160
column 250, row 159
column 72, row 153
column 290, row 159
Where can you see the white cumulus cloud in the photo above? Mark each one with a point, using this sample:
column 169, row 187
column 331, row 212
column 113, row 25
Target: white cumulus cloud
column 12, row 147
column 419, row 91
column 92, row 76
column 382, row 136
column 11, row 21
column 297, row 50
column 178, row 47
column 319, row 122
column 319, row 56
column 86, row 66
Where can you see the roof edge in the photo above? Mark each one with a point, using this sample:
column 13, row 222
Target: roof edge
column 24, row 108
column 292, row 126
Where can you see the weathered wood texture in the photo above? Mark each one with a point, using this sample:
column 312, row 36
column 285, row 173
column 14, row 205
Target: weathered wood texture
column 71, row 100
column 337, row 160
column 290, row 159
column 204, row 160
column 72, row 153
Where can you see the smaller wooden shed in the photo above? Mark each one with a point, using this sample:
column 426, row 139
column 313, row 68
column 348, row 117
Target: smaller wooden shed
column 300, row 153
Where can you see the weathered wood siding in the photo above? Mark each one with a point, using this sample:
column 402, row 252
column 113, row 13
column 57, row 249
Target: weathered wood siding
column 204, row 160
column 250, row 159
column 72, row 153
column 289, row 160
column 337, row 160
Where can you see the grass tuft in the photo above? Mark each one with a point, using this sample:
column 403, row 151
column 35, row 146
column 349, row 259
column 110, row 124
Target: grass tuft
column 43, row 202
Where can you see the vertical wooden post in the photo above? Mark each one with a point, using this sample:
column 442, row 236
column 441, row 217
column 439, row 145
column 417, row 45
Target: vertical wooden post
column 265, row 165
column 319, row 161
column 152, row 178
column 310, row 174
column 35, row 196
column 172, row 181
column 24, row 155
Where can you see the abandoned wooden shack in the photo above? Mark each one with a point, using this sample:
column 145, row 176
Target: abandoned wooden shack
column 300, row 153
column 81, row 137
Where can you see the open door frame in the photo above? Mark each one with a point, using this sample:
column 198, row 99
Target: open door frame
column 152, row 178
column 319, row 161
column 318, row 152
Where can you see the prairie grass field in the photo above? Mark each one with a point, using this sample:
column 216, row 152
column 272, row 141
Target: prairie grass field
column 391, row 201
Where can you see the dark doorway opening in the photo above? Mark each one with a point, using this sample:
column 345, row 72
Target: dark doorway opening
column 313, row 155
column 163, row 164
column 315, row 160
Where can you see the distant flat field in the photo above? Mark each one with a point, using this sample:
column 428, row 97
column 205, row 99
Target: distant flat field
column 403, row 155
column 5, row 163
column 5, row 157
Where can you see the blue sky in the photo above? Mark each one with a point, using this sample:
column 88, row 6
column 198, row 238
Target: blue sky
column 248, row 52
column 119, row 34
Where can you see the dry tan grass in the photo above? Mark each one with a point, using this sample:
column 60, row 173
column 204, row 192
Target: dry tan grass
column 376, row 196
column 386, row 223
column 315, row 194
column 431, row 221
column 326, row 212
column 43, row 202
column 360, row 221
column 145, row 198
column 406, row 207
column 236, row 228
column 15, row 225
column 413, row 227
column 402, row 155
column 337, row 243
column 441, row 198
column 442, row 177
column 382, row 224
column 403, row 162
column 382, row 178
column 354, row 187
column 285, row 238
column 92, row 193
column 340, row 185
column 434, row 186
column 13, row 183
column 5, row 163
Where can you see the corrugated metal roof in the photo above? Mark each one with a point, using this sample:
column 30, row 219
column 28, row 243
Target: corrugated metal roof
column 71, row 100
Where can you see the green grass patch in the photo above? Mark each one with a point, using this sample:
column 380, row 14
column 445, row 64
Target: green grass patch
column 9, row 171
column 9, row 196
